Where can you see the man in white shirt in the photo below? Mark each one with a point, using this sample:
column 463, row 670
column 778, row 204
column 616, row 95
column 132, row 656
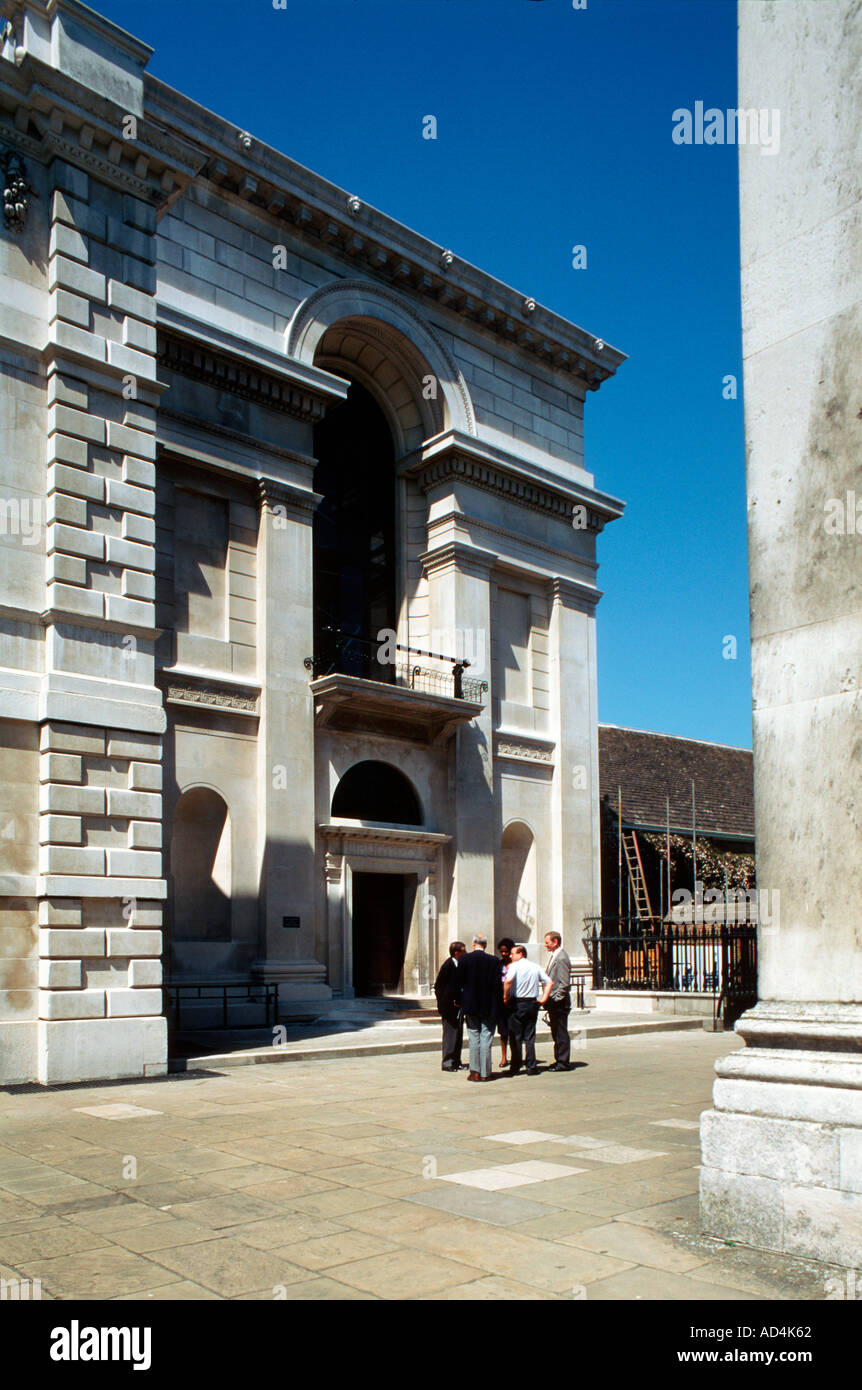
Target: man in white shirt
column 527, row 987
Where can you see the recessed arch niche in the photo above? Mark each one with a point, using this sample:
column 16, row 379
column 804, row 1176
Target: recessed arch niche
column 201, row 869
column 518, row 912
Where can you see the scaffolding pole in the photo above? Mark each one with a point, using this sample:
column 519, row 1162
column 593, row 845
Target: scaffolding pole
column 693, row 851
column 619, row 854
column 667, row 852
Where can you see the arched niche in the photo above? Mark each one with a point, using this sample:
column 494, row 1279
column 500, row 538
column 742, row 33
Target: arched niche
column 518, row 911
column 375, row 791
column 201, row 867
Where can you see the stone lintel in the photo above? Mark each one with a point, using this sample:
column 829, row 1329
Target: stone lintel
column 376, row 832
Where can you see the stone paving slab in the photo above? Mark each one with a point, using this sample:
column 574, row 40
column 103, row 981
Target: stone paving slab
column 352, row 1180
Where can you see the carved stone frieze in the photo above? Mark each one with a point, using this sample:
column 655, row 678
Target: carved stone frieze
column 211, row 697
column 524, row 751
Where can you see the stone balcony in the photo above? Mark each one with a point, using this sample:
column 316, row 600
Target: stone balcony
column 352, row 703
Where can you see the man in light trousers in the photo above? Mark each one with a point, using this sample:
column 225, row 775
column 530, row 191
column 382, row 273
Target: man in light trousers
column 479, row 975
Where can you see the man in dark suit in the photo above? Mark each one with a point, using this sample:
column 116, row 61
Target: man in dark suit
column 559, row 967
column 479, row 974
column 447, row 988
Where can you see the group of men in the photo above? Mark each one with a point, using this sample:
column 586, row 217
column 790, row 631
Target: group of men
column 503, row 994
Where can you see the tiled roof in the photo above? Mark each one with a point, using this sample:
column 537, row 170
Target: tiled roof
column 650, row 767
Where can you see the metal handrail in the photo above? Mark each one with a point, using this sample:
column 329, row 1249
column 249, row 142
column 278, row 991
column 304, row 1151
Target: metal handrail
column 352, row 655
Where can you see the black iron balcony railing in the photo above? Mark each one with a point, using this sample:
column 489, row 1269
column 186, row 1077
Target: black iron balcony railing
column 684, row 958
column 344, row 654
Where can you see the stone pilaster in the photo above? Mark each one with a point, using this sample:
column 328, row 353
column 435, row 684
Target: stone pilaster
column 286, row 823
column 460, row 601
column 575, row 815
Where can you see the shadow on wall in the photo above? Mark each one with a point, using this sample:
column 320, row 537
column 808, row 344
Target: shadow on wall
column 200, row 868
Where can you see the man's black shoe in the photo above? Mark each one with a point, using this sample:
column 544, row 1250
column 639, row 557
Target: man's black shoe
column 445, row 1068
column 558, row 1066
column 532, row 1071
column 515, row 1071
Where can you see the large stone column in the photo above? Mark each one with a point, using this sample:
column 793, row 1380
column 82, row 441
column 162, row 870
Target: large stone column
column 782, row 1148
column 286, row 745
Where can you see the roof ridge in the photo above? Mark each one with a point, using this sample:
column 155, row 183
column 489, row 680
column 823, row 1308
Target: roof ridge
column 676, row 738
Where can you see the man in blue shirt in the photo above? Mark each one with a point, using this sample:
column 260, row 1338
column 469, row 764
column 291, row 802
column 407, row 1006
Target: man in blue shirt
column 528, row 986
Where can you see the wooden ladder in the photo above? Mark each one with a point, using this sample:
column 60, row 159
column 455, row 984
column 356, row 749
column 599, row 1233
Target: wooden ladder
column 632, row 853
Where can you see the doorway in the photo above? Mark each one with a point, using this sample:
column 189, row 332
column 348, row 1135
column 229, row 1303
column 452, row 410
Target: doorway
column 380, row 924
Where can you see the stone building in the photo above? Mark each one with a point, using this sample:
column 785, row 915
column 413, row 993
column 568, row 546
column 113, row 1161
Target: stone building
column 275, row 467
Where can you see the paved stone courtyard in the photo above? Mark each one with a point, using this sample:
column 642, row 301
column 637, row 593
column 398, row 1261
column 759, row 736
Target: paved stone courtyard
column 379, row 1178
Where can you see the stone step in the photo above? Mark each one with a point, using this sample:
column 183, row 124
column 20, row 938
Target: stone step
column 318, row 1049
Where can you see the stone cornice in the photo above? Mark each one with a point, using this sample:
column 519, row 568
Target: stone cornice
column 319, row 212
column 451, row 459
column 466, row 522
column 383, row 834
column 298, row 501
column 226, row 372
column 457, row 555
column 172, row 323
column 46, row 114
column 570, row 593
column 56, row 616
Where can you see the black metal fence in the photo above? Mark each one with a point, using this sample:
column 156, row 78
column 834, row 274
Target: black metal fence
column 347, row 655
column 683, row 958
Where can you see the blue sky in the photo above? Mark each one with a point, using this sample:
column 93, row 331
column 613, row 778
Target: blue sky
column 554, row 129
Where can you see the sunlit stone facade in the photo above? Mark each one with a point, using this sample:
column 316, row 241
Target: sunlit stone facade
column 274, row 468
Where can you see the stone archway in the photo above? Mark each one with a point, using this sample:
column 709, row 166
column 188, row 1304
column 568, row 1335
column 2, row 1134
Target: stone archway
column 377, row 337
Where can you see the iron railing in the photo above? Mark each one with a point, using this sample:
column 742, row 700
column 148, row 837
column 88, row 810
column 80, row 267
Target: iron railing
column 345, row 654
column 684, row 958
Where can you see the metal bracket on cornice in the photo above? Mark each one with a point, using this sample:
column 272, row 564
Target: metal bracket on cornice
column 16, row 193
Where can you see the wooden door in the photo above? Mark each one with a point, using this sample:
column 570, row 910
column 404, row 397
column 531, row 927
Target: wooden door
column 379, row 933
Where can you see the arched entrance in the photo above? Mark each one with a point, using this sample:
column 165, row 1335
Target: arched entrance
column 383, row 895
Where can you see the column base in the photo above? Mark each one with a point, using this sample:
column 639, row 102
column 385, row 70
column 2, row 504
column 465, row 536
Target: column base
column 297, row 979
column 101, row 1049
column 782, row 1148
